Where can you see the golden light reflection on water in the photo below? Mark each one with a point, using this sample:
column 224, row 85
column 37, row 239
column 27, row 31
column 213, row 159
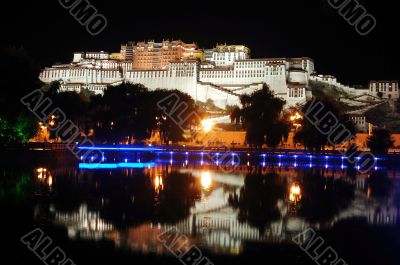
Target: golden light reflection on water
column 206, row 179
column 211, row 222
column 44, row 175
column 158, row 183
column 295, row 193
column 50, row 181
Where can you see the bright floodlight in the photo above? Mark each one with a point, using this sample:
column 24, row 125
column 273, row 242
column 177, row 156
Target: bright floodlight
column 207, row 125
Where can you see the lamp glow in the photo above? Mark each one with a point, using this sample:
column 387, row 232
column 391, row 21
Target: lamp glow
column 207, row 125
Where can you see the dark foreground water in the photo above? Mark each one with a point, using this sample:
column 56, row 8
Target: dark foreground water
column 243, row 214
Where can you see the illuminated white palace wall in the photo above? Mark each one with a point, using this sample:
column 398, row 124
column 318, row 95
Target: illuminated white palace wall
column 287, row 77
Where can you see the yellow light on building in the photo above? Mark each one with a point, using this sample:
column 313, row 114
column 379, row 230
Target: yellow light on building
column 295, row 120
column 296, row 116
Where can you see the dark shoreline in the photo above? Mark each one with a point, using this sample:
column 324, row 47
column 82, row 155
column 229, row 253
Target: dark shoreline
column 53, row 158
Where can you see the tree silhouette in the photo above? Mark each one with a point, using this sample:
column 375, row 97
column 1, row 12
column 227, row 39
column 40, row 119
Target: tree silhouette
column 257, row 201
column 380, row 141
column 122, row 114
column 309, row 134
column 235, row 114
column 130, row 111
column 178, row 116
column 323, row 198
column 126, row 200
column 179, row 194
column 380, row 184
column 19, row 75
column 261, row 116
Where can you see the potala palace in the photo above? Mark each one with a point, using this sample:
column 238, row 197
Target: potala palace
column 221, row 74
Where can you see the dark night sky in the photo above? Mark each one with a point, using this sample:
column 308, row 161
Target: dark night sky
column 272, row 29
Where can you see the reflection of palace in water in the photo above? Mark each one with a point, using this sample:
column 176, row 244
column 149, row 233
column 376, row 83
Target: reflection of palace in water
column 213, row 223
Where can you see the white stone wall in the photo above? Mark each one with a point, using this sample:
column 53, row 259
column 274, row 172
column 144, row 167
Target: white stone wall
column 78, row 56
column 360, row 122
column 222, row 82
column 97, row 55
column 244, row 77
column 331, row 80
column 221, row 58
column 97, row 89
column 228, row 74
column 389, row 89
column 181, row 76
column 206, row 91
column 80, row 75
column 248, row 72
column 71, row 88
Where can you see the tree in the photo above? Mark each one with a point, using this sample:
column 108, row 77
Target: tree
column 397, row 104
column 19, row 75
column 257, row 201
column 52, row 89
column 73, row 105
column 130, row 111
column 179, row 194
column 309, row 134
column 281, row 129
column 261, row 114
column 323, row 197
column 124, row 112
column 320, row 89
column 380, row 141
column 17, row 132
column 379, row 184
column 180, row 113
column 235, row 114
column 210, row 104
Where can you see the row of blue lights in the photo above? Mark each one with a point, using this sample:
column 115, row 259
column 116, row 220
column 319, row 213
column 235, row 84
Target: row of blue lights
column 150, row 149
column 265, row 155
column 233, row 157
column 264, row 164
column 152, row 164
column 310, row 156
column 284, row 156
column 115, row 165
